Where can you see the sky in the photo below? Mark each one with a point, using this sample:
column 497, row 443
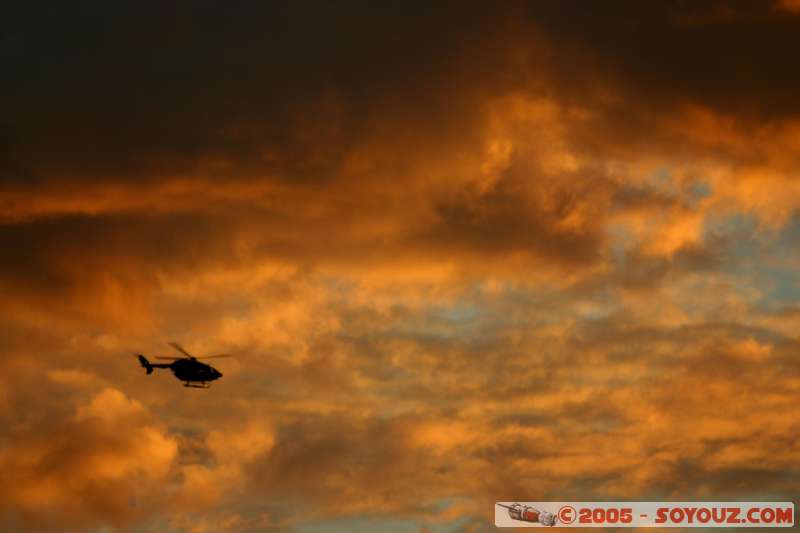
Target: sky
column 461, row 252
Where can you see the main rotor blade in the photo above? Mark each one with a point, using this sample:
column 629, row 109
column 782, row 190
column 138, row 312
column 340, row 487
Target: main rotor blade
column 170, row 358
column 180, row 349
column 217, row 355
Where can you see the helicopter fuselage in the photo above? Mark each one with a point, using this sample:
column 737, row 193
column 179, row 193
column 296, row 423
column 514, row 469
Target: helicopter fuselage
column 189, row 370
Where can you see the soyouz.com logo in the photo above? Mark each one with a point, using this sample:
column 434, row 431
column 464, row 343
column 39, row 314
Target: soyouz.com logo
column 644, row 514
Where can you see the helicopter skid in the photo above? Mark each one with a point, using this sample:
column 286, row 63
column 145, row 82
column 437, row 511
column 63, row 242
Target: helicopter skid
column 197, row 385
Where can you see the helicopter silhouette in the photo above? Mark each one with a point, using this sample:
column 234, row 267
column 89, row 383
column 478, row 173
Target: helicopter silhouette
column 188, row 368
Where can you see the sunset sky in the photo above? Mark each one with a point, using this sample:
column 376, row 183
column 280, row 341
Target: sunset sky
column 461, row 252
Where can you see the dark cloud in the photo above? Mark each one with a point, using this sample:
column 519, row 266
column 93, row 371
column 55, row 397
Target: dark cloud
column 146, row 89
column 733, row 56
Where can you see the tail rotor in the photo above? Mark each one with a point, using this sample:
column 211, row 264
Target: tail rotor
column 145, row 363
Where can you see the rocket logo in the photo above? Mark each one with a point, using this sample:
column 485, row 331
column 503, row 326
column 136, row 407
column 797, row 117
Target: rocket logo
column 526, row 513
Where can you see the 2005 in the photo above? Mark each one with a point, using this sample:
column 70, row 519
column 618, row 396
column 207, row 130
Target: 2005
column 605, row 516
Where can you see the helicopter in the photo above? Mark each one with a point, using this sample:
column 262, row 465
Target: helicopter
column 188, row 368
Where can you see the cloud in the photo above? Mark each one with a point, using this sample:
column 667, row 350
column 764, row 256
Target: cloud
column 788, row 6
column 89, row 467
column 537, row 251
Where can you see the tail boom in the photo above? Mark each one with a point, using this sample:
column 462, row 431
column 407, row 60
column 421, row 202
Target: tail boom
column 147, row 365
